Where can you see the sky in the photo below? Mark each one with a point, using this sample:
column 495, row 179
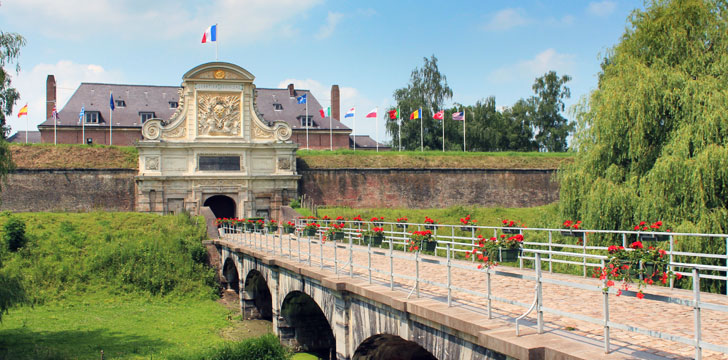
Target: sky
column 368, row 48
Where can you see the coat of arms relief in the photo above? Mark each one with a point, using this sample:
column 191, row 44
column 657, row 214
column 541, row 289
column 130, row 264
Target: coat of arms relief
column 218, row 114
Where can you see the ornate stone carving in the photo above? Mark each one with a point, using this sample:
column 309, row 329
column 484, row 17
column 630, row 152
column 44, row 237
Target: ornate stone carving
column 180, row 103
column 283, row 132
column 177, row 132
column 218, row 114
column 219, row 74
column 284, row 163
column 261, row 133
column 152, row 129
column 151, row 162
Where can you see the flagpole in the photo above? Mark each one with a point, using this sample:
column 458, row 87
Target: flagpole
column 216, row 41
column 83, row 125
column 55, row 119
column 399, row 129
column 443, row 132
column 111, row 120
column 422, row 132
column 307, row 124
column 27, row 126
column 331, row 131
column 354, row 127
column 376, row 126
column 464, row 130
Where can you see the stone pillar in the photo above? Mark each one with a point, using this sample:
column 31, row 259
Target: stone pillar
column 275, row 297
column 342, row 335
column 248, row 306
column 50, row 96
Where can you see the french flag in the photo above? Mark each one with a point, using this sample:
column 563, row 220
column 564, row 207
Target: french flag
column 210, row 34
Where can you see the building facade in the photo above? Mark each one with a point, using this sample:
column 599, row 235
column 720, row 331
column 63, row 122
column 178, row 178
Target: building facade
column 135, row 104
column 216, row 150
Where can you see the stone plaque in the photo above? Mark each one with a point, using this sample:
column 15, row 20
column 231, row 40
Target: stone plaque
column 219, row 163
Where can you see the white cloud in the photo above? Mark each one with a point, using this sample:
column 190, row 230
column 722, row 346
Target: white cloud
column 239, row 21
column 602, row 8
column 332, row 19
column 530, row 69
column 507, row 19
column 32, row 87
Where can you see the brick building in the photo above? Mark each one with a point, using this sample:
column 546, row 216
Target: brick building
column 135, row 104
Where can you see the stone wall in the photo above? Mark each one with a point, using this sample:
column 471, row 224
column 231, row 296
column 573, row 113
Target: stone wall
column 429, row 188
column 69, row 190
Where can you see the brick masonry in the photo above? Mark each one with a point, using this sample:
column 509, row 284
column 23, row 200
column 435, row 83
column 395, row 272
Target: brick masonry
column 69, row 190
column 429, row 188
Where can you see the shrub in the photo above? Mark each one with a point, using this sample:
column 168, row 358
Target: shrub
column 266, row 347
column 14, row 234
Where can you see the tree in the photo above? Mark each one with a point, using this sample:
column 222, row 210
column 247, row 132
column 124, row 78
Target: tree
column 652, row 138
column 10, row 44
column 427, row 90
column 551, row 128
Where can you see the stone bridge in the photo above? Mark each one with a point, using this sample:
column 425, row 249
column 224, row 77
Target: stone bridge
column 323, row 309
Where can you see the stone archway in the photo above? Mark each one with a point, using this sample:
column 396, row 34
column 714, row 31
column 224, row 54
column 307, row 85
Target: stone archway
column 230, row 276
column 257, row 302
column 383, row 346
column 303, row 326
column 222, row 206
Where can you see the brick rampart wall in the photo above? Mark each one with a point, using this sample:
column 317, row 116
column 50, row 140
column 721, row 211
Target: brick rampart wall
column 429, row 188
column 69, row 190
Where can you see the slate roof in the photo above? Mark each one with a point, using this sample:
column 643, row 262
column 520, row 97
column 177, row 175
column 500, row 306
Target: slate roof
column 19, row 137
column 149, row 98
column 365, row 142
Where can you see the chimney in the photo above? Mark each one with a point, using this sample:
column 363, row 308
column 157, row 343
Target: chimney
column 335, row 112
column 50, row 95
column 291, row 90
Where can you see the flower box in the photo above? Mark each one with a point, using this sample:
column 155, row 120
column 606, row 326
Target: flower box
column 430, row 227
column 249, row 226
column 310, row 232
column 428, row 245
column 467, row 228
column 357, row 223
column 510, row 231
column 288, row 230
column 377, row 224
column 653, row 237
column 402, row 226
column 373, row 240
column 508, row 255
column 572, row 233
column 338, row 235
column 272, row 228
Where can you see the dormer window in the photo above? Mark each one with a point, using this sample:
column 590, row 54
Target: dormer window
column 144, row 116
column 92, row 117
column 173, row 104
column 306, row 121
column 277, row 107
column 120, row 103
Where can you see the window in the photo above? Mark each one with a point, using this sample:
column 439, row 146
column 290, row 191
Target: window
column 173, row 104
column 120, row 103
column 277, row 107
column 144, row 116
column 212, row 163
column 306, row 121
column 92, row 117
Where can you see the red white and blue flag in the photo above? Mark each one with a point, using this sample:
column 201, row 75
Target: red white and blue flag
column 459, row 116
column 210, row 34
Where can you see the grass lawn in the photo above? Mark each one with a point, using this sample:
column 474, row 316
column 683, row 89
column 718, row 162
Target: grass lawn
column 73, row 156
column 123, row 327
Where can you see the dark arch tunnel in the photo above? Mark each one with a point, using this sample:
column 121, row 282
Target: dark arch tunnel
column 258, row 303
column 222, row 206
column 304, row 326
column 390, row 347
column 230, row 276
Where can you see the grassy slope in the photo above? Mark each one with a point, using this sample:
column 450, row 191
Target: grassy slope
column 128, row 283
column 65, row 156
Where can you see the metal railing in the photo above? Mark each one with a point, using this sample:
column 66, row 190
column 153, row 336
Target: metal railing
column 450, row 245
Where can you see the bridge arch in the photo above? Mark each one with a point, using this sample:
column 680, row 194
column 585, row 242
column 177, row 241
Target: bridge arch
column 222, row 206
column 382, row 346
column 303, row 325
column 258, row 303
column 230, row 275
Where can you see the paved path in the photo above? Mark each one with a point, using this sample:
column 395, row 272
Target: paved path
column 669, row 318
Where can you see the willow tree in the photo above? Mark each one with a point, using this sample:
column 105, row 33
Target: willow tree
column 651, row 139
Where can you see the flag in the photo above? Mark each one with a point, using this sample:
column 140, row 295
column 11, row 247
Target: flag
column 416, row 114
column 210, row 34
column 111, row 101
column 301, row 99
column 23, row 111
column 393, row 114
column 81, row 114
column 440, row 115
column 350, row 113
column 459, row 116
column 325, row 113
column 54, row 113
column 372, row 114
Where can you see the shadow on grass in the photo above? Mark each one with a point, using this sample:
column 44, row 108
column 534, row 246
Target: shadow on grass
column 73, row 344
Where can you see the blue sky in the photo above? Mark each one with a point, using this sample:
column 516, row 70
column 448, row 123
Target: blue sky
column 485, row 48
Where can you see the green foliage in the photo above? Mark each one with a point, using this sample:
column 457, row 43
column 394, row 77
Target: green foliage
column 266, row 347
column 651, row 138
column 14, row 234
column 295, row 203
column 124, row 253
column 551, row 127
column 10, row 44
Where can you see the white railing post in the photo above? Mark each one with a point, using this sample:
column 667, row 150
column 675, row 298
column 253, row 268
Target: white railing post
column 391, row 263
column 539, row 294
column 490, row 298
column 321, row 251
column 449, row 280
column 696, row 307
column 417, row 271
column 551, row 270
column 369, row 259
column 605, row 298
column 351, row 257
